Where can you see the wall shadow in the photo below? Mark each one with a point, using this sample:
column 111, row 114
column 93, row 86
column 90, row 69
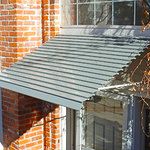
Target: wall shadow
column 26, row 113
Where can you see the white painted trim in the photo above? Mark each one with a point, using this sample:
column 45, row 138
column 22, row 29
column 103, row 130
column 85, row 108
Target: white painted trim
column 1, row 147
column 1, row 125
column 63, row 128
column 79, row 131
column 112, row 30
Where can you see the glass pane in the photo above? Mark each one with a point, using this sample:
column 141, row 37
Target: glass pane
column 86, row 14
column 85, row 1
column 72, row 1
column 69, row 14
column 138, row 13
column 123, row 13
column 103, row 14
column 104, row 123
column 103, row 0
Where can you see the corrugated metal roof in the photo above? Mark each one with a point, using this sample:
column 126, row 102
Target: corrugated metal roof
column 69, row 69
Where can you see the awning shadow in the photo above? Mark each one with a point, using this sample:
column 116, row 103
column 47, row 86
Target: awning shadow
column 25, row 115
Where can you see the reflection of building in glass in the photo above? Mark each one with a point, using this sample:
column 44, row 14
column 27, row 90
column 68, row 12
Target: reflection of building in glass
column 104, row 121
column 90, row 12
column 124, row 13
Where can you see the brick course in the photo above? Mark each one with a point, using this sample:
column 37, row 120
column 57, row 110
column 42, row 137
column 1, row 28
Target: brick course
column 20, row 29
column 50, row 18
column 28, row 123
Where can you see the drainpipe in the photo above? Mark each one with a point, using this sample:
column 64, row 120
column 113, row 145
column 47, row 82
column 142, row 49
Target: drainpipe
column 1, row 125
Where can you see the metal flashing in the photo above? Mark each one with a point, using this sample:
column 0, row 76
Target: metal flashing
column 69, row 69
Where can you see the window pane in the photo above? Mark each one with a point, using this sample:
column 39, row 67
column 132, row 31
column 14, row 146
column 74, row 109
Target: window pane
column 103, row 14
column 69, row 14
column 103, row 0
column 123, row 13
column 104, row 121
column 138, row 13
column 85, row 1
column 71, row 1
column 86, row 14
column 73, row 14
column 99, row 12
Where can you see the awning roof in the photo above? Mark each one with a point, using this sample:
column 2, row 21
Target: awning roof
column 69, row 69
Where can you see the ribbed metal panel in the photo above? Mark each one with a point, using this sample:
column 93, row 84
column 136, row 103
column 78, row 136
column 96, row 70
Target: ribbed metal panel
column 68, row 69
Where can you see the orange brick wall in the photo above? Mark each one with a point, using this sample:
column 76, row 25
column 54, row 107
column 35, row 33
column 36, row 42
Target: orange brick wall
column 20, row 29
column 24, row 25
column 28, row 123
column 52, row 130
column 51, row 18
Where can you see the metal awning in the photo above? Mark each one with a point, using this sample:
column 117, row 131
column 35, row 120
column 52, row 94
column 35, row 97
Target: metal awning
column 70, row 68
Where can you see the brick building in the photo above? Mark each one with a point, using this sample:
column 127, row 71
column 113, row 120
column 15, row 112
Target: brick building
column 24, row 26
column 69, row 73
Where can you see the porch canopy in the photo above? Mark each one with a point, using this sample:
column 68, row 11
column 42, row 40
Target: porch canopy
column 69, row 69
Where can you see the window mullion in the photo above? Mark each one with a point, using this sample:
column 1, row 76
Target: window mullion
column 94, row 13
column 77, row 4
column 134, row 12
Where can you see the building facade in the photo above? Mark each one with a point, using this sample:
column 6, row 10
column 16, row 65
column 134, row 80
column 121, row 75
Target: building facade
column 25, row 25
column 84, row 110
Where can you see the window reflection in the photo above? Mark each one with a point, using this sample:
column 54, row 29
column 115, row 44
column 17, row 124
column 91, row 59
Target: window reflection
column 104, row 120
column 101, row 12
column 86, row 14
column 124, row 13
column 138, row 13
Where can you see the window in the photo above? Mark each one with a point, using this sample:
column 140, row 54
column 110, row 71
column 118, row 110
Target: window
column 101, row 12
column 104, row 125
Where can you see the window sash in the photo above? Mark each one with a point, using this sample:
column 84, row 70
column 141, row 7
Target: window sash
column 95, row 2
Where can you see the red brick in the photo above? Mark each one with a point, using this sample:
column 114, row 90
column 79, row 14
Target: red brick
column 23, row 142
column 29, row 145
column 21, row 33
column 38, row 147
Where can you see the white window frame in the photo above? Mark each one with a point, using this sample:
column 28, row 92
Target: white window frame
column 94, row 2
column 77, row 123
column 63, row 128
column 68, row 129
